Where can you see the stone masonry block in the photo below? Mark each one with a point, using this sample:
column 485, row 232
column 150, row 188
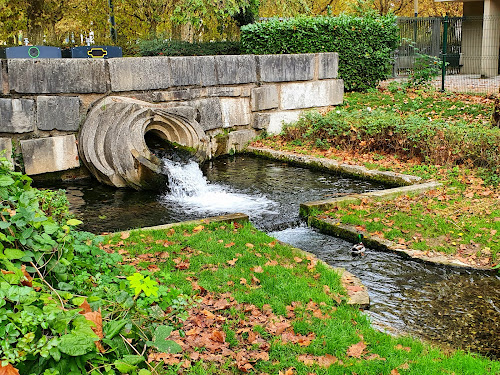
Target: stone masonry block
column 235, row 112
column 17, row 115
column 6, row 148
column 210, row 113
column 53, row 154
column 52, row 76
column 58, row 112
column 274, row 120
column 139, row 73
column 286, row 68
column 328, row 65
column 232, row 70
column 193, row 71
column 261, row 120
column 238, row 139
column 1, row 75
column 312, row 94
column 265, row 97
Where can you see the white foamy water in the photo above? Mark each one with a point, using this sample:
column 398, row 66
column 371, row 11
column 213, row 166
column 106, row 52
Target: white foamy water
column 191, row 190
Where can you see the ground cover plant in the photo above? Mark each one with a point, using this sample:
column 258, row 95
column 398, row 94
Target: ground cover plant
column 442, row 136
column 66, row 306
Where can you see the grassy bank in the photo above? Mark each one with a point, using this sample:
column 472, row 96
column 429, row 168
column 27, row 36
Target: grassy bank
column 267, row 308
column 446, row 137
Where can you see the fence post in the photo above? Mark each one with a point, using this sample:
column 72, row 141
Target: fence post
column 443, row 54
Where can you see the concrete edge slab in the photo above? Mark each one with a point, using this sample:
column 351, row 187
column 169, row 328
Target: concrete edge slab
column 307, row 208
column 390, row 178
column 237, row 218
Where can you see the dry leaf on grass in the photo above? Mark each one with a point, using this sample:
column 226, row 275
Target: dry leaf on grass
column 125, row 235
column 8, row 370
column 356, row 350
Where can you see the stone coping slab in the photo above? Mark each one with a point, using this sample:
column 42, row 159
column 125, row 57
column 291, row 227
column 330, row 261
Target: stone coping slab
column 308, row 208
column 236, row 218
column 387, row 177
column 356, row 296
column 357, row 293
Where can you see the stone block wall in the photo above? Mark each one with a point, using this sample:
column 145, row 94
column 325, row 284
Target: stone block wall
column 44, row 102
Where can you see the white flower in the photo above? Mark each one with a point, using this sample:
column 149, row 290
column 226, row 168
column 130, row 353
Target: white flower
column 369, row 109
column 338, row 111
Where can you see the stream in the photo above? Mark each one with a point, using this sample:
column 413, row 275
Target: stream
column 454, row 307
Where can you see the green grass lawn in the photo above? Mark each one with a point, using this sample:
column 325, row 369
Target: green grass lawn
column 265, row 307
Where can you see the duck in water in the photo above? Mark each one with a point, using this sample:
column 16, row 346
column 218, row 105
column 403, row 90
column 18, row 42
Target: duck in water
column 358, row 249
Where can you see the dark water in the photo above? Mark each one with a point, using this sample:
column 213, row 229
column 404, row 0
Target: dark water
column 451, row 306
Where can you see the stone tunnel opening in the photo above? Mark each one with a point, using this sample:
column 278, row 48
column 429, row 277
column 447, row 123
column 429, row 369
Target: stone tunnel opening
column 163, row 148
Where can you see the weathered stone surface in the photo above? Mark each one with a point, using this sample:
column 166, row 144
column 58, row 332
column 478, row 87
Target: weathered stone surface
column 272, row 122
column 261, row 120
column 210, row 112
column 328, row 65
column 52, row 76
column 58, row 112
column 265, row 97
column 17, row 115
column 312, row 94
column 6, row 148
column 53, row 154
column 1, row 76
column 235, row 112
column 223, row 91
column 356, row 296
column 238, row 139
column 139, row 73
column 237, row 69
column 286, row 68
column 176, row 95
column 229, row 218
column 193, row 71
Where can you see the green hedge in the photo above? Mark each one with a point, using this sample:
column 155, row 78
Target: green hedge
column 160, row 47
column 364, row 44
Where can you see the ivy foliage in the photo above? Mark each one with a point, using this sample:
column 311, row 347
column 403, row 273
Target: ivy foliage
column 66, row 305
column 364, row 44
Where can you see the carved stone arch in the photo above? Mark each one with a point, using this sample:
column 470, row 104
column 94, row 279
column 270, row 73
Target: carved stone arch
column 112, row 140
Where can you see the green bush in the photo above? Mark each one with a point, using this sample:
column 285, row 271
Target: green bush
column 437, row 141
column 161, row 47
column 364, row 44
column 52, row 273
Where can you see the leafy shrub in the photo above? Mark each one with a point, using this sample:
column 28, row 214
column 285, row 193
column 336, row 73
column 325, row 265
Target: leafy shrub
column 364, row 44
column 161, row 47
column 66, row 305
column 437, row 141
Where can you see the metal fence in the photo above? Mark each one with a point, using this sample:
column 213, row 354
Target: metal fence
column 469, row 45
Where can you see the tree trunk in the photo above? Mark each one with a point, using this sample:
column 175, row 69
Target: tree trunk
column 35, row 18
column 496, row 112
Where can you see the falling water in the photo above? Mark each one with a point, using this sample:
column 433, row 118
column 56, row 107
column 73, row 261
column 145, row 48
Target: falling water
column 189, row 189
